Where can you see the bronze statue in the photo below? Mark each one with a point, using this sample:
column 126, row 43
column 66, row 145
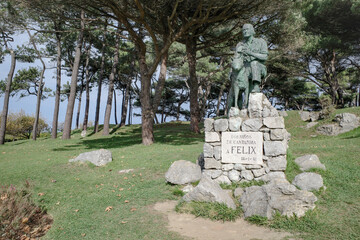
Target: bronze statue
column 248, row 67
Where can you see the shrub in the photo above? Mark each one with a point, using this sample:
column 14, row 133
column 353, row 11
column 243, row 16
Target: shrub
column 327, row 106
column 20, row 125
column 20, row 218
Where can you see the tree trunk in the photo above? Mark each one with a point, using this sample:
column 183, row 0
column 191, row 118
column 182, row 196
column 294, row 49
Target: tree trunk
column 115, row 108
column 39, row 93
column 130, row 109
column 87, row 89
column 147, row 113
column 58, row 88
column 6, row 97
column 194, row 85
column 111, row 89
column 75, row 70
column 102, row 68
column 38, row 102
column 125, row 103
column 80, row 98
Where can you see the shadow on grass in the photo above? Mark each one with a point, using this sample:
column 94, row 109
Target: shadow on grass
column 171, row 133
column 67, row 148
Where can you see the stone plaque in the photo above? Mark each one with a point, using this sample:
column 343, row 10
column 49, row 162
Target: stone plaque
column 242, row 147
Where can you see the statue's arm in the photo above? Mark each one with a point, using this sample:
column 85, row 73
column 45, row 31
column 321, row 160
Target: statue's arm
column 262, row 54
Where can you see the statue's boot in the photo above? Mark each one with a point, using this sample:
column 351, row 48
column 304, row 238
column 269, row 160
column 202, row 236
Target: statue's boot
column 256, row 88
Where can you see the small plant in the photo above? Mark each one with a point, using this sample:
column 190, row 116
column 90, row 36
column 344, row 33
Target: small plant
column 20, row 218
column 258, row 220
column 178, row 192
column 213, row 211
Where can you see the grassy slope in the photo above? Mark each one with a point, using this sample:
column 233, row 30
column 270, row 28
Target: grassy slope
column 337, row 215
column 90, row 190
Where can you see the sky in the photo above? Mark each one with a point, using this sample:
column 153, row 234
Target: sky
column 28, row 104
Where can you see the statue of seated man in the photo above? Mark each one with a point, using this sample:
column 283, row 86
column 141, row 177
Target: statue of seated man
column 248, row 67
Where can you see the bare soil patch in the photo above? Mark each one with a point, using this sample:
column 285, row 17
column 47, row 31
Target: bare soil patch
column 204, row 229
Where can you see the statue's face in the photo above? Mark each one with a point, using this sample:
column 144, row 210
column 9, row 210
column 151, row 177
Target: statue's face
column 248, row 30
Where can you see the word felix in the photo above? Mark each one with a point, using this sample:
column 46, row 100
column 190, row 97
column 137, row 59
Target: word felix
column 242, row 150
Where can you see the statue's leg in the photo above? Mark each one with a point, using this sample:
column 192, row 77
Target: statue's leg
column 236, row 94
column 230, row 102
column 247, row 90
column 255, row 76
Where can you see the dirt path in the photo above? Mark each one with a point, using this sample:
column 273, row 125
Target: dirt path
column 205, row 229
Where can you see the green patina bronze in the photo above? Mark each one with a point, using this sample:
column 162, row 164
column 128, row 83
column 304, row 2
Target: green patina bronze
column 248, row 68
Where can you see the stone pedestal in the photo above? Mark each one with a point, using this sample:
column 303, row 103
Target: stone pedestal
column 255, row 141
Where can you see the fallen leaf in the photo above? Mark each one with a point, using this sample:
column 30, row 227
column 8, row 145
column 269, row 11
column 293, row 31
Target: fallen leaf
column 123, row 222
column 4, row 197
column 108, row 209
column 53, row 180
column 125, row 178
column 83, row 234
column 110, row 170
column 76, row 210
column 119, row 195
column 3, row 152
column 122, row 156
column 121, row 189
column 41, row 194
column 113, row 190
column 126, row 201
column 133, row 175
column 24, row 220
column 57, row 203
column 133, row 209
column 140, row 174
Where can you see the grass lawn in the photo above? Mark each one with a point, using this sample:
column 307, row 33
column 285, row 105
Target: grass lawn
column 79, row 197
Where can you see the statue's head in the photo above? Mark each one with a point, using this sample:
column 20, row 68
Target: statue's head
column 248, row 30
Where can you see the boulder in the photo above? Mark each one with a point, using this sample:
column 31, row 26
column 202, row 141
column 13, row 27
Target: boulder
column 307, row 162
column 274, row 122
column 212, row 137
column 255, row 105
column 279, row 195
column 308, row 181
column 273, row 176
column 274, row 148
column 212, row 173
column 221, row 125
column 347, row 121
column 209, row 191
column 223, row 179
column 277, row 163
column 183, row 172
column 251, row 125
column 311, row 124
column 99, row 157
column 211, row 163
column 314, row 116
column 234, row 112
column 209, row 124
column 305, row 116
column 238, row 192
column 234, row 124
column 344, row 122
column 234, row 176
column 329, row 129
column 208, row 150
